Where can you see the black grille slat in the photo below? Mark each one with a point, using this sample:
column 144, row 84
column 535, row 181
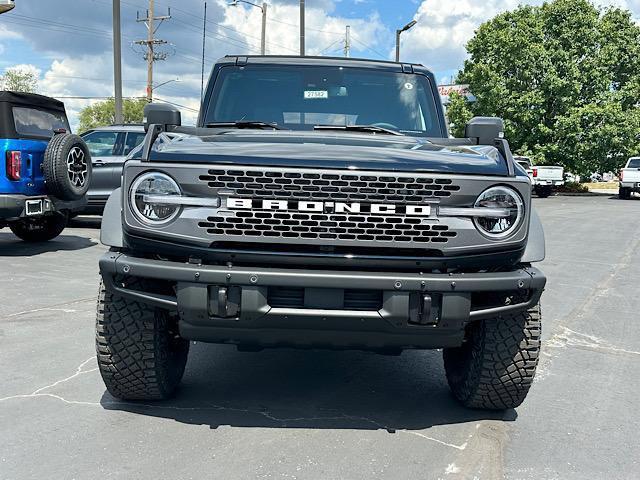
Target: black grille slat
column 286, row 297
column 355, row 300
column 363, row 300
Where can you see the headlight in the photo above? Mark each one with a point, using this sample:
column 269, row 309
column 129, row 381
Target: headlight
column 146, row 198
column 509, row 211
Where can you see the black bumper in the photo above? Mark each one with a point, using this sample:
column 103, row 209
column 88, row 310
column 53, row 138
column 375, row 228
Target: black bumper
column 236, row 304
column 15, row 206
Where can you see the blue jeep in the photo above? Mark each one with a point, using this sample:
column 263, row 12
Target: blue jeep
column 46, row 171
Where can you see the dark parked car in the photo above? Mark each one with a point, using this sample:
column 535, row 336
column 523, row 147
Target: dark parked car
column 319, row 203
column 109, row 147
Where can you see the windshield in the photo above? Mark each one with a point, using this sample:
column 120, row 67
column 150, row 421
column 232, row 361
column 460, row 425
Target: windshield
column 634, row 163
column 299, row 98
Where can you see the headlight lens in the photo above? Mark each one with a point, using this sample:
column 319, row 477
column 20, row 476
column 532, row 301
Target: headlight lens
column 509, row 208
column 144, row 189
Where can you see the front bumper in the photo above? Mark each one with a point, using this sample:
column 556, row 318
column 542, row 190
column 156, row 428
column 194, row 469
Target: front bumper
column 548, row 183
column 15, row 206
column 635, row 186
column 234, row 304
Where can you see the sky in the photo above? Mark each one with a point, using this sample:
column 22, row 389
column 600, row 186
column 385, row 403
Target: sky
column 68, row 43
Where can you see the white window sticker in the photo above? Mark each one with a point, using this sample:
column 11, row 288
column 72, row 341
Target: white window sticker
column 315, row 94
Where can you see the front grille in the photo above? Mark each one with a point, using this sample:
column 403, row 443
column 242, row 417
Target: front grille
column 333, row 186
column 348, row 299
column 327, row 227
column 298, row 227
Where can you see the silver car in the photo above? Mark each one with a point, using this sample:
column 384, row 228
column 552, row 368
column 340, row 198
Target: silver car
column 109, row 147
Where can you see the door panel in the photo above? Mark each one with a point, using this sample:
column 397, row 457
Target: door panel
column 105, row 148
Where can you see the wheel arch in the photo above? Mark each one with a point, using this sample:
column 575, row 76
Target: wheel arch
column 536, row 246
column 111, row 229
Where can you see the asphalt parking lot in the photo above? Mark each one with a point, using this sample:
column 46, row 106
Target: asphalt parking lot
column 327, row 415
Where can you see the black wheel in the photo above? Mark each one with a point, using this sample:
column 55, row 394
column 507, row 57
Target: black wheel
column 494, row 368
column 40, row 229
column 543, row 192
column 624, row 193
column 67, row 167
column 140, row 353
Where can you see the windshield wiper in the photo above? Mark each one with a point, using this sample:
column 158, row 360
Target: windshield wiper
column 245, row 124
column 358, row 128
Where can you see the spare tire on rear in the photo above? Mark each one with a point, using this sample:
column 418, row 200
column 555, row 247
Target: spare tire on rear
column 67, row 167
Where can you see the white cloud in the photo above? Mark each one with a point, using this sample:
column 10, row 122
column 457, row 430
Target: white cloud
column 445, row 27
column 72, row 39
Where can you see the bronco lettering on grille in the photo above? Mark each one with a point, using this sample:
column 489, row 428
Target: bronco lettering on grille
column 423, row 210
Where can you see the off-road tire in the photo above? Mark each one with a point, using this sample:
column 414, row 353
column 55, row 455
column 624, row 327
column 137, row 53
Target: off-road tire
column 624, row 193
column 67, row 167
column 495, row 367
column 40, row 229
column 140, row 354
column 543, row 192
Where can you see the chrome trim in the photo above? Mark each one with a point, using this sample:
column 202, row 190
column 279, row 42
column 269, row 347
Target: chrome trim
column 181, row 200
column 475, row 212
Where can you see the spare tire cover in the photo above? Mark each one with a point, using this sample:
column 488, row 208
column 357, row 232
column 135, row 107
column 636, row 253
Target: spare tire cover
column 67, row 167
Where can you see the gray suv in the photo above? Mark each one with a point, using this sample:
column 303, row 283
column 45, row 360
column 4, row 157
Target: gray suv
column 109, row 147
column 300, row 213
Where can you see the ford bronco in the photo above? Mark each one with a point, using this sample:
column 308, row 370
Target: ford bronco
column 45, row 171
column 320, row 203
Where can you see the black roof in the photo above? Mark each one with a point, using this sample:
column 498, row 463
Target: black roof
column 31, row 100
column 310, row 60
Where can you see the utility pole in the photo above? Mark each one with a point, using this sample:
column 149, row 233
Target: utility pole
column 152, row 56
column 302, row 28
column 117, row 62
column 347, row 42
column 263, row 40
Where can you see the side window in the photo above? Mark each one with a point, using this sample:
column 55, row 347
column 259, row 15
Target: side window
column 133, row 140
column 102, row 144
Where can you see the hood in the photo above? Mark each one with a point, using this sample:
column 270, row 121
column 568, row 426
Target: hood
column 338, row 150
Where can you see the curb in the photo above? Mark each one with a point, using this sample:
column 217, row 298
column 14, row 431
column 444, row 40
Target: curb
column 586, row 194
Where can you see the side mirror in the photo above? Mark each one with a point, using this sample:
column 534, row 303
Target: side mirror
column 161, row 114
column 485, row 129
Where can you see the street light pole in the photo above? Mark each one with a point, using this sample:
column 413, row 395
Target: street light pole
column 154, row 88
column 263, row 39
column 398, row 33
column 117, row 63
column 302, row 28
column 263, row 43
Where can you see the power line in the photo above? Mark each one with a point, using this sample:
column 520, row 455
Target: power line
column 381, row 55
column 177, row 105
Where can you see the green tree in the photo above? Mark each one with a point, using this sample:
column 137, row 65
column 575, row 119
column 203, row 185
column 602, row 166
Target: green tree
column 459, row 110
column 565, row 76
column 103, row 113
column 18, row 80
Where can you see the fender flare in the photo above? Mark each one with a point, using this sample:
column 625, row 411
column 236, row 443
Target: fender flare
column 536, row 247
column 111, row 227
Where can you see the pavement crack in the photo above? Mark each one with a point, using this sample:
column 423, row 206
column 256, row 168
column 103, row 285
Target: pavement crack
column 38, row 392
column 53, row 308
column 571, row 338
